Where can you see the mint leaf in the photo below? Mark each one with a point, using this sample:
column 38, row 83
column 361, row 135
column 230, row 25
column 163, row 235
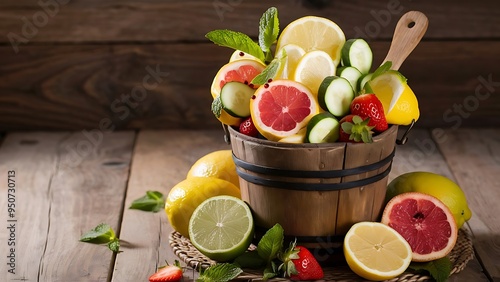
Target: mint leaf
column 153, row 201
column 236, row 40
column 271, row 243
column 439, row 269
column 222, row 272
column 268, row 29
column 270, row 272
column 250, row 260
column 101, row 234
column 271, row 70
column 114, row 245
column 217, row 106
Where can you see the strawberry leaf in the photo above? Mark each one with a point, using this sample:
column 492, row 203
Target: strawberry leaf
column 236, row 40
column 439, row 269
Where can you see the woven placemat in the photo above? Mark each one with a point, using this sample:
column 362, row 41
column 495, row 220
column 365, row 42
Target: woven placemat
column 461, row 254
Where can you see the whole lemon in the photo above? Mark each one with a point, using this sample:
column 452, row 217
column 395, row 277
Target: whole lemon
column 218, row 164
column 186, row 195
column 435, row 185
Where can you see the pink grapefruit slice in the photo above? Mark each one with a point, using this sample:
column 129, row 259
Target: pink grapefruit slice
column 425, row 222
column 282, row 108
column 244, row 71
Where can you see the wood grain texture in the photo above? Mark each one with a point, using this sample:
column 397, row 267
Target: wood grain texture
column 66, row 187
column 97, row 86
column 161, row 160
column 174, row 21
column 474, row 158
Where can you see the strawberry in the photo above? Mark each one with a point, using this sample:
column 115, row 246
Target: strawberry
column 353, row 128
column 248, row 128
column 168, row 273
column 300, row 264
column 368, row 105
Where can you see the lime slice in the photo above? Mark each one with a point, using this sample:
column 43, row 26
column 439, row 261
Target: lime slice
column 221, row 228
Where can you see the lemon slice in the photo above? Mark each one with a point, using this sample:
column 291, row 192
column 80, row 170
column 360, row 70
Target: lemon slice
column 314, row 33
column 312, row 69
column 297, row 138
column 221, row 228
column 399, row 102
column 293, row 55
column 375, row 251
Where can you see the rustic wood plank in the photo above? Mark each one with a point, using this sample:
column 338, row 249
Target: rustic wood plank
column 68, row 183
column 161, row 160
column 474, row 158
column 422, row 153
column 92, row 86
column 173, row 21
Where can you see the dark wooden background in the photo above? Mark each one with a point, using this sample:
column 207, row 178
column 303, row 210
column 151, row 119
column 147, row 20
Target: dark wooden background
column 81, row 63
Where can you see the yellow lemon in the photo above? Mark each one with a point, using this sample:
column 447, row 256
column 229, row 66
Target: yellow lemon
column 188, row 194
column 314, row 33
column 375, row 251
column 218, row 164
column 435, row 185
column 293, row 55
column 312, row 69
column 399, row 102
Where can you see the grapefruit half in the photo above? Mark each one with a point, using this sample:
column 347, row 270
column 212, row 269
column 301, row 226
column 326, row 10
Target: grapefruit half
column 244, row 70
column 425, row 222
column 282, row 108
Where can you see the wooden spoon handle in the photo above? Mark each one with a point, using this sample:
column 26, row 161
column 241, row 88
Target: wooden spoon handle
column 409, row 30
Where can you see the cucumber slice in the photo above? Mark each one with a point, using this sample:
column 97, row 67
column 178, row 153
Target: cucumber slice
column 363, row 80
column 323, row 128
column 335, row 95
column 352, row 74
column 357, row 53
column 235, row 98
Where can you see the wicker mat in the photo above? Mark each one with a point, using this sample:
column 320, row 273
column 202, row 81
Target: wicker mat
column 459, row 256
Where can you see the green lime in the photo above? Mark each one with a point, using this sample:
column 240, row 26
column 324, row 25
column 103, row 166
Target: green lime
column 221, row 228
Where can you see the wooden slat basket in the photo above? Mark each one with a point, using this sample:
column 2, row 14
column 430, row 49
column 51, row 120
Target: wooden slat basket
column 315, row 191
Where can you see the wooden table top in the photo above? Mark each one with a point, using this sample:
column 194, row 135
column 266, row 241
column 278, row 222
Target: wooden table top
column 68, row 182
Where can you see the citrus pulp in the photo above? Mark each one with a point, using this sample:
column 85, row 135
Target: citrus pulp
column 282, row 108
column 375, row 251
column 425, row 222
column 221, row 228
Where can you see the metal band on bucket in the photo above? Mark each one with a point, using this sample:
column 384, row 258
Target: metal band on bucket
column 259, row 180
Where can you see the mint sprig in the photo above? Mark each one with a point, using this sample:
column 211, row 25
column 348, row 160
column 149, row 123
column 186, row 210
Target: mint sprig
column 217, row 107
column 268, row 31
column 102, row 234
column 271, row 70
column 271, row 243
column 439, row 269
column 222, row 272
column 236, row 40
column 153, row 201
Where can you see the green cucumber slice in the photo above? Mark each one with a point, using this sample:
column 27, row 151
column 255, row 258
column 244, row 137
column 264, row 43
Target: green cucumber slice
column 335, row 95
column 235, row 99
column 363, row 80
column 323, row 128
column 352, row 74
column 357, row 53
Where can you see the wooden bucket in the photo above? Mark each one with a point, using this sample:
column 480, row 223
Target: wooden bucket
column 315, row 191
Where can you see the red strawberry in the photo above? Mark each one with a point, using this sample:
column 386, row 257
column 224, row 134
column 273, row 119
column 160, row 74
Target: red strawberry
column 300, row 264
column 248, row 128
column 354, row 129
column 368, row 105
column 168, row 273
